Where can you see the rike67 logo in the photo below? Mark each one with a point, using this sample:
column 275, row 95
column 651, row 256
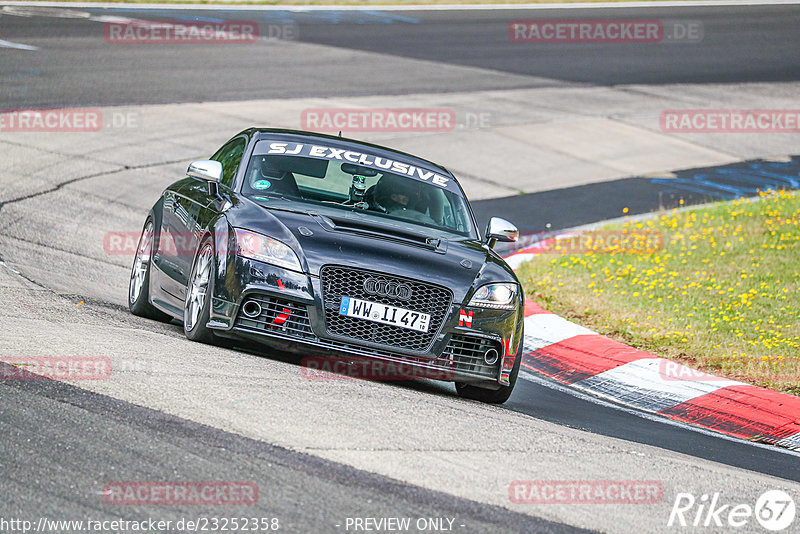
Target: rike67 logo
column 774, row 510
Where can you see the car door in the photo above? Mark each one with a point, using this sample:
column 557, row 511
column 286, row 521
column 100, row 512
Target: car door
column 166, row 258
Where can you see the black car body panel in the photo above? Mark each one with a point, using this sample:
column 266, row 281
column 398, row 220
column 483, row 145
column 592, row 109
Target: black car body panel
column 336, row 249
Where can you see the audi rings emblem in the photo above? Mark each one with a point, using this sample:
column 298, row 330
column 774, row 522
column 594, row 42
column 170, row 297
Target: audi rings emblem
column 387, row 288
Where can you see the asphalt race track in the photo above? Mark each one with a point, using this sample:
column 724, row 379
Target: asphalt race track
column 763, row 50
column 323, row 451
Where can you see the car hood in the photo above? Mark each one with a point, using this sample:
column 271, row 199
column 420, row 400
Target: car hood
column 319, row 240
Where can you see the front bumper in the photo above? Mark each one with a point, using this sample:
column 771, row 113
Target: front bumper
column 292, row 319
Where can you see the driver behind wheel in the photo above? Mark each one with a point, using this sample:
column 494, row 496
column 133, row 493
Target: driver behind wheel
column 403, row 198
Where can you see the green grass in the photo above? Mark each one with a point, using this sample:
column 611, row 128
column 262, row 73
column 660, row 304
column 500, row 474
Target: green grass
column 722, row 295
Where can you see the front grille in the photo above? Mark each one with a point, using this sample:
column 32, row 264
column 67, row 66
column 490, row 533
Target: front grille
column 338, row 282
column 278, row 316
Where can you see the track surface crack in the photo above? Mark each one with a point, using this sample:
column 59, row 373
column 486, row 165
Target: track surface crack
column 86, row 177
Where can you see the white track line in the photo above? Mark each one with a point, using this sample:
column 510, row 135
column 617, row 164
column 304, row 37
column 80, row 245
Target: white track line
column 18, row 46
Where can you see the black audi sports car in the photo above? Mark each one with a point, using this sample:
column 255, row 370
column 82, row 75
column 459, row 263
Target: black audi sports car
column 316, row 244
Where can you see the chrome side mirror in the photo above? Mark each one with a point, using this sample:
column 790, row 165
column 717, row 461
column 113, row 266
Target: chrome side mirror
column 208, row 170
column 500, row 230
column 205, row 169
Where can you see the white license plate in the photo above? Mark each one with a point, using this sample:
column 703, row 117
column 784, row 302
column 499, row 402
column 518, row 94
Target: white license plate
column 384, row 314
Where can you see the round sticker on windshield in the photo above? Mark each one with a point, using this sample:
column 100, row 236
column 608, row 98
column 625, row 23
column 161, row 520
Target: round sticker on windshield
column 262, row 184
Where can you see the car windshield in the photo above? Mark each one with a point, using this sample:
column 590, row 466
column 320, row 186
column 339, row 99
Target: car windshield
column 353, row 181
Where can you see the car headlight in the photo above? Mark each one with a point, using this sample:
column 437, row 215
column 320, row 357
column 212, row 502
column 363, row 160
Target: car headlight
column 500, row 296
column 262, row 248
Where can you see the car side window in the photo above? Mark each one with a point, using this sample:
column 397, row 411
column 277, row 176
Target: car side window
column 230, row 156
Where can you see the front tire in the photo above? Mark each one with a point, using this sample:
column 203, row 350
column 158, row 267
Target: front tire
column 199, row 292
column 492, row 396
column 139, row 284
